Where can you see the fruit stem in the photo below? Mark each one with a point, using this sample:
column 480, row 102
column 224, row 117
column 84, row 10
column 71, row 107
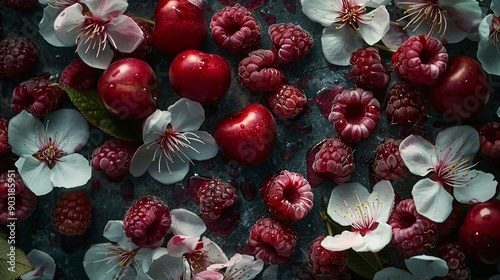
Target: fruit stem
column 384, row 48
column 151, row 22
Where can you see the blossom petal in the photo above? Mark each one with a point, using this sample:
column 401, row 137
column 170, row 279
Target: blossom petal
column 466, row 15
column 463, row 138
column 495, row 7
column 245, row 269
column 187, row 115
column 392, row 273
column 142, row 159
column 376, row 239
column 97, row 267
column 480, row 189
column 377, row 26
column 46, row 26
column 154, row 124
column 432, row 200
column 206, row 149
column 113, row 231
column 124, row 34
column 383, row 196
column 185, row 222
column 343, row 241
column 91, row 53
column 339, row 44
column 208, row 275
column 179, row 245
column 214, row 254
column 106, row 9
column 45, row 267
column 73, row 171
column 22, row 133
column 376, row 3
column 35, row 175
column 321, row 11
column 347, row 192
column 68, row 24
column 160, row 265
column 426, row 267
column 171, row 174
column 71, row 127
column 487, row 52
column 416, row 153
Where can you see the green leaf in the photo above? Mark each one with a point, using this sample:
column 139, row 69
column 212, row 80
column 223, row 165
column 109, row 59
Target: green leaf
column 365, row 264
column 90, row 105
column 13, row 261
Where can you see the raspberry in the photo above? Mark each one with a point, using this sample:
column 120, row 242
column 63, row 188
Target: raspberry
column 421, row 59
column 287, row 101
column 78, row 75
column 334, row 160
column 412, row 233
column 408, row 104
column 451, row 223
column 17, row 56
column 20, row 5
column 272, row 241
column 11, row 185
column 325, row 264
column 456, row 260
column 72, row 213
column 368, row 69
column 257, row 71
column 113, row 157
column 387, row 163
column 291, row 42
column 4, row 139
column 489, row 139
column 236, row 30
column 36, row 96
column 355, row 114
column 147, row 221
column 145, row 48
column 287, row 195
column 215, row 196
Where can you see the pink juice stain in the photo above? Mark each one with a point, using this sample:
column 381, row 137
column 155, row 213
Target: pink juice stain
column 248, row 189
column 324, row 99
column 291, row 150
column 254, row 4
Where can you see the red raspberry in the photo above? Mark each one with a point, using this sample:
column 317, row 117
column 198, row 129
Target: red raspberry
column 456, row 260
column 147, row 221
column 215, row 196
column 145, row 48
column 113, row 157
column 287, row 195
column 454, row 221
column 78, row 75
column 236, row 30
column 421, row 59
column 287, row 101
column 408, row 104
column 489, row 139
column 258, row 73
column 272, row 241
column 25, row 200
column 325, row 264
column 36, row 96
column 20, row 5
column 334, row 160
column 4, row 138
column 387, row 162
column 17, row 56
column 355, row 114
column 72, row 213
column 368, row 70
column 291, row 42
column 412, row 233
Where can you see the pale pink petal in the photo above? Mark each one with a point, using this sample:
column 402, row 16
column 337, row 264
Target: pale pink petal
column 383, row 196
column 464, row 139
column 426, row 267
column 348, row 192
column 208, row 275
column 106, row 9
column 143, row 157
column 154, row 124
column 321, row 11
column 72, row 171
column 376, row 239
column 159, row 264
column 46, row 26
column 214, row 254
column 68, row 24
column 479, row 189
column 377, row 26
column 187, row 115
column 124, row 34
column 203, row 149
column 71, row 127
column 45, row 267
column 185, row 222
column 91, row 53
column 179, row 245
column 432, row 200
column 417, row 154
column 22, row 130
column 487, row 52
column 171, row 174
column 35, row 175
column 390, row 273
column 113, row 231
column 339, row 44
column 343, row 241
column 466, row 15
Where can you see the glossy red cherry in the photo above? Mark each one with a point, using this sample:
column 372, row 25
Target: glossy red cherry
column 179, row 25
column 200, row 76
column 479, row 235
column 247, row 136
column 128, row 89
column 462, row 90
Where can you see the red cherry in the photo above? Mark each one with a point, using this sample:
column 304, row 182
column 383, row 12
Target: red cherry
column 200, row 76
column 179, row 25
column 128, row 89
column 462, row 90
column 479, row 235
column 247, row 136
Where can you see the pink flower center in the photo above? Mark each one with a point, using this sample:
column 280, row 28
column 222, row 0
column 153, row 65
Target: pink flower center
column 428, row 12
column 495, row 31
column 49, row 149
column 363, row 216
column 351, row 14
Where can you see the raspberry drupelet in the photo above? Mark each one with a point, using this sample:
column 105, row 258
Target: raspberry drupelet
column 334, row 160
column 325, row 264
column 368, row 69
column 387, row 162
column 78, row 75
column 72, row 213
column 11, row 184
column 290, row 41
column 113, row 157
column 489, row 141
column 408, row 103
column 17, row 56
column 456, row 260
column 215, row 196
column 287, row 101
column 258, row 71
column 4, row 136
column 287, row 195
